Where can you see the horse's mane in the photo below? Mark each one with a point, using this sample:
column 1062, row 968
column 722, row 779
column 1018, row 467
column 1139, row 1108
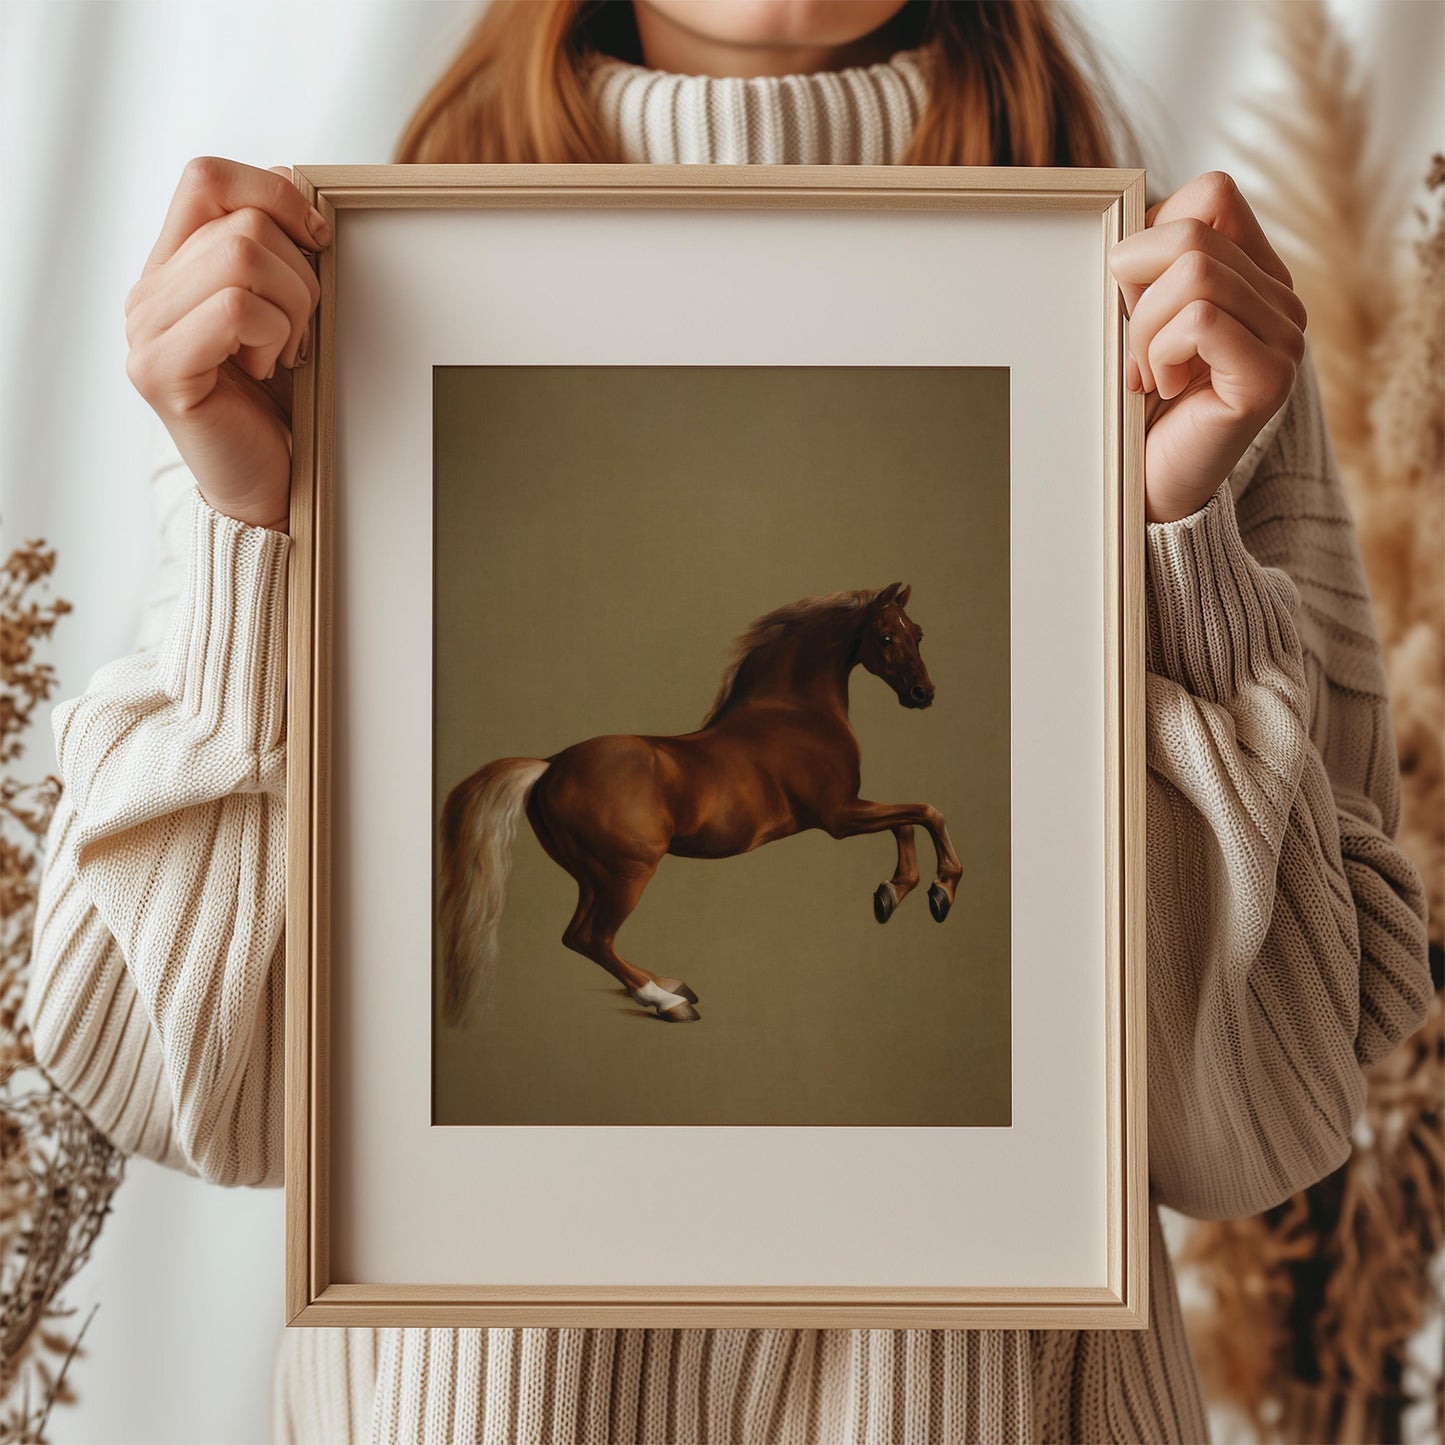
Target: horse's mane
column 772, row 626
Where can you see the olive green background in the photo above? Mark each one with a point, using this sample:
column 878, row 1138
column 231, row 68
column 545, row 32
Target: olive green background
column 602, row 536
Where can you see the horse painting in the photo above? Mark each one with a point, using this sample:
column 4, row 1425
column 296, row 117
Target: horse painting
column 775, row 756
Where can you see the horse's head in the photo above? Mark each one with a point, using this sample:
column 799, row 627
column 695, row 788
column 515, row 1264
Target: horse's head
column 888, row 647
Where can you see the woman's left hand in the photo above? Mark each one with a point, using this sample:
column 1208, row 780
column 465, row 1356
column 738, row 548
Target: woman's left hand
column 1215, row 335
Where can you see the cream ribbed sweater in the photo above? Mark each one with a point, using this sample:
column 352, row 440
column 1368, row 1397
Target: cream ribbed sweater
column 1286, row 947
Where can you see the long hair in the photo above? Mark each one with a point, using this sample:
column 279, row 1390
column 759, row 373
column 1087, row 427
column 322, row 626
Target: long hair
column 1011, row 83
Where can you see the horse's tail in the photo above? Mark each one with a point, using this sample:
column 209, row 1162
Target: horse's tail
column 479, row 823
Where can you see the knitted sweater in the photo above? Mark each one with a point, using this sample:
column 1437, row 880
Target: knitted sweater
column 1286, row 945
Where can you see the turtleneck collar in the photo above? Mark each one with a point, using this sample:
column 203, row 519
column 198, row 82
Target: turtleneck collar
column 863, row 115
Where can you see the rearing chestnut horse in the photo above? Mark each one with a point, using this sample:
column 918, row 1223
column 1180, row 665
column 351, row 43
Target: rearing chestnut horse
column 775, row 756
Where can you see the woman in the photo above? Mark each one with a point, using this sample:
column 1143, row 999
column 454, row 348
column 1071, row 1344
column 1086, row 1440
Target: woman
column 1286, row 943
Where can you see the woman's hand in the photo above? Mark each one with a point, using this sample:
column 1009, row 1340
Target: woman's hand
column 217, row 317
column 1215, row 335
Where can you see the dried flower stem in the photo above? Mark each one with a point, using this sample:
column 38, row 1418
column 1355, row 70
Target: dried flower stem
column 58, row 1173
column 1313, row 1305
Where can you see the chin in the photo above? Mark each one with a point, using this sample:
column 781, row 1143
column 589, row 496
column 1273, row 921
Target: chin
column 780, row 22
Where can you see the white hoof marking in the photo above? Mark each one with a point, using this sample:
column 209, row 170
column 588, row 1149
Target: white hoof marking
column 658, row 998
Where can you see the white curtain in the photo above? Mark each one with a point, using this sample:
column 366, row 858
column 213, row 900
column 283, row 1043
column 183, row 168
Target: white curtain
column 102, row 105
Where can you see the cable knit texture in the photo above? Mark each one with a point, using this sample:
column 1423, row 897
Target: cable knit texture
column 1286, row 944
column 861, row 116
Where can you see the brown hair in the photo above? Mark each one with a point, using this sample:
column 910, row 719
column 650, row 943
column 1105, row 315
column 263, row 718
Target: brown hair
column 1004, row 87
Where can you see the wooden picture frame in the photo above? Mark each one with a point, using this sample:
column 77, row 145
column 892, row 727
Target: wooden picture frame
column 317, row 1292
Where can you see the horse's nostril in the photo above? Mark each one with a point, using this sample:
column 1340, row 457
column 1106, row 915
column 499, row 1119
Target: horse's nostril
column 920, row 693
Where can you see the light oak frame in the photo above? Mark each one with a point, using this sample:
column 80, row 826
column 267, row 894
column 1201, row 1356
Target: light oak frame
column 312, row 1298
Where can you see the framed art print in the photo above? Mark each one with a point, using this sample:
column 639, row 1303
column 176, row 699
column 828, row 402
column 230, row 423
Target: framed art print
column 716, row 783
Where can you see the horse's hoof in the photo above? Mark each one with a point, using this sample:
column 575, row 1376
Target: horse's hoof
column 679, row 1013
column 677, row 986
column 938, row 904
column 885, row 900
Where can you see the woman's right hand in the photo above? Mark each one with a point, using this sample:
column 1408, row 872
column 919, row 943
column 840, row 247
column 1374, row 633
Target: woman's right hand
column 215, row 322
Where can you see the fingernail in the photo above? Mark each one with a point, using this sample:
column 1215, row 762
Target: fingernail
column 319, row 229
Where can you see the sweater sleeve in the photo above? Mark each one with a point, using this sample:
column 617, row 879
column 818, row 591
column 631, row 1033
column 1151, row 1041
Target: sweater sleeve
column 1286, row 945
column 155, row 997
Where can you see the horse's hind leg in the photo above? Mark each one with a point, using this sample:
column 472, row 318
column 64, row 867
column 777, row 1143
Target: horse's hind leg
column 603, row 906
column 905, row 876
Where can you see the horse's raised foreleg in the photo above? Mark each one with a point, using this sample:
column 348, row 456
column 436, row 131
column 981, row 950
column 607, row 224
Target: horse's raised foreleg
column 860, row 816
column 904, row 879
column 603, row 904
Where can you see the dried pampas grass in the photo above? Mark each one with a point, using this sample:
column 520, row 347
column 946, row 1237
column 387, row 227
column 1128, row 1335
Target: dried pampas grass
column 1398, row 493
column 57, row 1172
column 1325, row 212
column 1377, row 329
column 1314, row 1305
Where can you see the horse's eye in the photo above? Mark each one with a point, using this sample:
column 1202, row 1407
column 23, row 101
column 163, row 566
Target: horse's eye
column 888, row 639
